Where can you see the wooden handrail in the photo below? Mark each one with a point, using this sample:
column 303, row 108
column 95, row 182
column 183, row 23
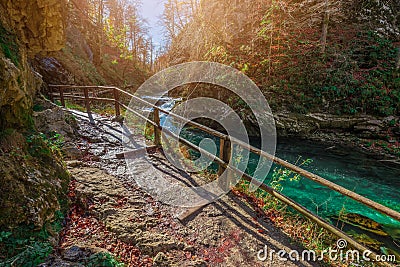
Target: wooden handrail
column 306, row 174
column 223, row 159
column 288, row 201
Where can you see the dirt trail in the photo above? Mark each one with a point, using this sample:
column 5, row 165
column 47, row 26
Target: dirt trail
column 112, row 213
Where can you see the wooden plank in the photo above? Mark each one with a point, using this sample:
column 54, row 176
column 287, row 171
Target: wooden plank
column 136, row 152
column 82, row 98
column 224, row 153
column 104, row 92
column 189, row 212
column 157, row 131
column 221, row 169
column 116, row 103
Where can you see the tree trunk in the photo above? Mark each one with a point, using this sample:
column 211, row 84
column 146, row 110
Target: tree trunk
column 325, row 24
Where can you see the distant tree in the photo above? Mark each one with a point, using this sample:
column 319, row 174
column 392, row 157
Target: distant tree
column 177, row 13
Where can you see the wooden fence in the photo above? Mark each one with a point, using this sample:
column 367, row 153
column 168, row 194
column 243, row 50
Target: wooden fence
column 91, row 93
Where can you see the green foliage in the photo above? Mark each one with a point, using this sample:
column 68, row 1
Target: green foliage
column 217, row 53
column 356, row 74
column 25, row 246
column 33, row 254
column 41, row 145
column 353, row 83
column 104, row 109
column 271, row 17
column 149, row 132
column 81, row 67
column 281, row 174
column 38, row 107
column 74, row 106
column 9, row 46
column 103, row 260
column 4, row 236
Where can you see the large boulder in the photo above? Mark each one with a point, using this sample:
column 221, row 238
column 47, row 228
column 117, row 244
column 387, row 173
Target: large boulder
column 55, row 120
column 33, row 186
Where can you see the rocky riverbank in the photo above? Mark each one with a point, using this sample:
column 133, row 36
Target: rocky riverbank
column 376, row 136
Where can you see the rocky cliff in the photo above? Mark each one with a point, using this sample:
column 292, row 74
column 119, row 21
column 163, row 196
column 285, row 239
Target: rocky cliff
column 38, row 23
column 33, row 177
column 26, row 28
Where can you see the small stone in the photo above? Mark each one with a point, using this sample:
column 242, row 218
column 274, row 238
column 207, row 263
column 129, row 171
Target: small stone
column 72, row 152
column 160, row 258
column 74, row 163
column 73, row 253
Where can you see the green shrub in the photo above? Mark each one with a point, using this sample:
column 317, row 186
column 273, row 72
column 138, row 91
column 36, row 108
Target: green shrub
column 25, row 246
column 40, row 145
column 103, row 260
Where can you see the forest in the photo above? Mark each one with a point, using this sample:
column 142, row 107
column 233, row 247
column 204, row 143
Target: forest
column 349, row 49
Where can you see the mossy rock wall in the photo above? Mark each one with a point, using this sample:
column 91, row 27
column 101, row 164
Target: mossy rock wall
column 33, row 186
column 26, row 28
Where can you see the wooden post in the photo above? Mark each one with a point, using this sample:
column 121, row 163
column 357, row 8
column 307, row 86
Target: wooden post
column 157, row 131
column 221, row 169
column 62, row 97
column 224, row 153
column 87, row 100
column 51, row 92
column 116, row 98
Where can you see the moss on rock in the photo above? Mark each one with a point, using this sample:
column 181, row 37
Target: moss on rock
column 33, row 186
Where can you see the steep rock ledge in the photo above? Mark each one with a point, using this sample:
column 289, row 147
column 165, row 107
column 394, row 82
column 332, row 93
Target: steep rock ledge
column 34, row 180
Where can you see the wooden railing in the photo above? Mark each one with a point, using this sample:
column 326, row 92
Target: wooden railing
column 226, row 142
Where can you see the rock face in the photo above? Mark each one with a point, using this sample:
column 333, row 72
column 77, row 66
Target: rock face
column 289, row 124
column 54, row 120
column 33, row 180
column 18, row 86
column 38, row 23
column 31, row 187
column 27, row 27
column 52, row 71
